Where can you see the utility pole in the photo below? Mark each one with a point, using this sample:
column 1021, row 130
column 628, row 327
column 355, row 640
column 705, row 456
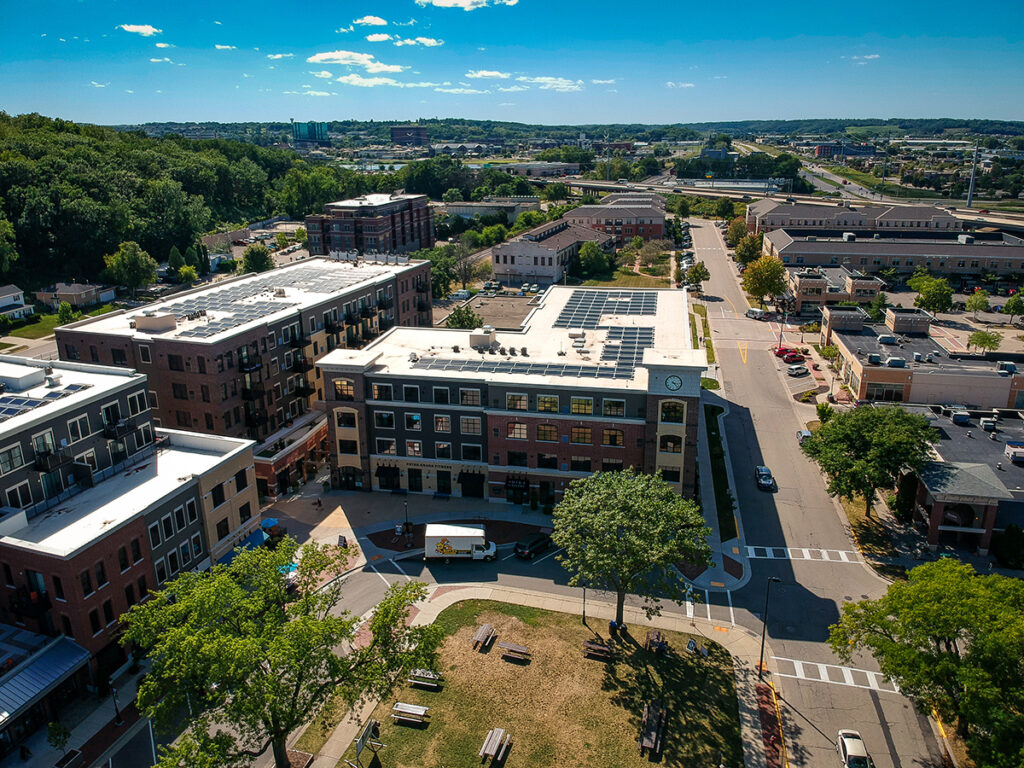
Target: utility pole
column 974, row 172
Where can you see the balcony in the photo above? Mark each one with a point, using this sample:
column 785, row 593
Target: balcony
column 49, row 460
column 29, row 604
column 302, row 365
column 422, row 306
column 298, row 342
column 367, row 311
column 421, row 287
column 255, row 392
column 384, row 302
column 248, row 364
column 305, row 389
column 386, row 323
column 351, row 318
column 119, row 429
column 332, row 326
column 255, row 418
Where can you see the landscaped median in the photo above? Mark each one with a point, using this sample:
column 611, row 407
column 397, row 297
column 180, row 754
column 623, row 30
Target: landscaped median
column 561, row 708
column 724, row 501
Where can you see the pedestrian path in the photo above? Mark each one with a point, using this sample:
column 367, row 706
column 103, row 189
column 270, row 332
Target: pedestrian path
column 756, row 552
column 833, row 674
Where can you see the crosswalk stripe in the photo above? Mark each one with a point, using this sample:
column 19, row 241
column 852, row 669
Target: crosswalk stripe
column 758, row 552
column 817, row 672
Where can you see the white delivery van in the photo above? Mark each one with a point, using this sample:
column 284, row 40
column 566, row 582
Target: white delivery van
column 756, row 314
column 460, row 295
column 457, row 542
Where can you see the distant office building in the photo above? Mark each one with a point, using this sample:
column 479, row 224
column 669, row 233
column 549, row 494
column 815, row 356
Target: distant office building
column 409, row 135
column 509, row 207
column 311, row 133
column 543, row 254
column 766, row 215
column 372, row 224
column 537, row 168
column 837, row 149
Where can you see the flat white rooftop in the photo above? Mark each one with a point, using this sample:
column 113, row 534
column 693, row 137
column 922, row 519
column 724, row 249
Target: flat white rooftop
column 576, row 337
column 371, row 201
column 95, row 512
column 212, row 313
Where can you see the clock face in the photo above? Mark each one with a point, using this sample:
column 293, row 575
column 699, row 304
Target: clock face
column 673, row 383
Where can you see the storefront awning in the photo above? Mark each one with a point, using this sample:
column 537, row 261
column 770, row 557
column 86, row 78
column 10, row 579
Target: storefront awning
column 27, row 684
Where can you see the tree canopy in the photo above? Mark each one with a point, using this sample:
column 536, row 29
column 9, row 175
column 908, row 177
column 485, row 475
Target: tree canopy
column 748, row 249
column 933, row 293
column 594, row 261
column 736, row 232
column 252, row 658
column 131, row 267
column 463, row 317
column 868, row 448
column 256, row 258
column 625, row 531
column 765, row 277
column 977, row 302
column 985, row 340
column 1014, row 306
column 697, row 274
column 952, row 640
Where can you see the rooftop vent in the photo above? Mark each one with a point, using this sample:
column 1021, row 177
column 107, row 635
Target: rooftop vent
column 413, row 357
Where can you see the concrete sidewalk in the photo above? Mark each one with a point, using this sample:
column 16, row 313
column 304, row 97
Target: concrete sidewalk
column 741, row 643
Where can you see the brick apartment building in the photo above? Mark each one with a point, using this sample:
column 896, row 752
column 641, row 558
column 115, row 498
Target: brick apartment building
column 810, row 288
column 621, row 220
column 372, row 224
column 410, row 135
column 237, row 357
column 598, row 380
column 543, row 254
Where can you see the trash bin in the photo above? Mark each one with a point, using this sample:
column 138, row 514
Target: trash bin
column 342, row 541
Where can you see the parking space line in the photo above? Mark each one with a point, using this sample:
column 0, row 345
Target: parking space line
column 551, row 554
column 507, row 557
column 689, row 608
column 374, row 569
column 732, row 614
column 401, row 571
column 707, row 603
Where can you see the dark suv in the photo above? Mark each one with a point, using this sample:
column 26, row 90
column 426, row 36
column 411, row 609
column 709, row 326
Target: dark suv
column 531, row 546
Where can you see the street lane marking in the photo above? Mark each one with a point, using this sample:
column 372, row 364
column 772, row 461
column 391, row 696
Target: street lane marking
column 689, row 608
column 833, row 674
column 732, row 615
column 707, row 603
column 374, row 569
column 506, row 557
column 844, row 556
column 743, row 351
column 401, row 570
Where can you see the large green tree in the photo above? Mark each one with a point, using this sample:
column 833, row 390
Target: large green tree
column 724, row 208
column 736, row 232
column 934, row 294
column 8, row 249
column 1014, row 306
column 131, row 267
column 952, row 640
column 65, row 313
column 865, row 449
column 593, row 261
column 765, row 277
column 465, row 318
column 626, row 532
column 252, row 658
column 985, row 340
column 256, row 258
column 977, row 302
column 697, row 274
column 748, row 249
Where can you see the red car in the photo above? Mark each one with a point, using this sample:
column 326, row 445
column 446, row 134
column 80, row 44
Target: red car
column 793, row 357
column 782, row 351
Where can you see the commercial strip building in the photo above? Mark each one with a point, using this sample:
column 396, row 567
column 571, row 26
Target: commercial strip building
column 596, row 380
column 901, row 362
column 965, row 256
column 237, row 357
column 537, row 168
column 509, row 207
column 811, row 288
column 642, row 199
column 372, row 224
column 769, row 215
column 543, row 254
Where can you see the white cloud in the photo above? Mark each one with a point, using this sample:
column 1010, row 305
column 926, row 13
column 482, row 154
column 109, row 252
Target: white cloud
column 604, row 82
column 670, row 84
column 720, row 77
column 547, row 83
column 378, row 37
column 349, row 28
column 408, row 23
column 222, row 47
column 355, row 59
column 247, row 75
column 322, row 74
column 459, row 90
column 514, row 89
column 507, row 104
column 146, row 30
column 429, row 42
column 164, row 60
column 217, row 23
column 868, row 57
column 371, row 21
column 94, row 84
column 373, row 82
column 276, row 56
column 308, row 93
column 164, row 45
column 466, row 5
column 43, row 35
column 474, row 74
column 128, row 90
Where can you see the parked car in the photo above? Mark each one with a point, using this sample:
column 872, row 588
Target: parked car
column 534, row 288
column 802, row 435
column 851, row 750
column 763, row 478
column 781, row 351
column 797, row 370
column 792, row 357
column 531, row 546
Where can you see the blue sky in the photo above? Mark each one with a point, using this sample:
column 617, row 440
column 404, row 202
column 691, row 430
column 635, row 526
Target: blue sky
column 550, row 61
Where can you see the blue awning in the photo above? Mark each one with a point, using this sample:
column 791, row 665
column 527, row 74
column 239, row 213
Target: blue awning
column 268, row 522
column 27, row 684
column 255, row 539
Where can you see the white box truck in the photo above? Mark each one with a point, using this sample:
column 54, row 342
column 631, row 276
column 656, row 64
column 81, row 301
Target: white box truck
column 457, row 542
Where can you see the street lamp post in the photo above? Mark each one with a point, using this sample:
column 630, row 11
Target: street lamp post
column 118, row 720
column 764, row 624
column 584, row 604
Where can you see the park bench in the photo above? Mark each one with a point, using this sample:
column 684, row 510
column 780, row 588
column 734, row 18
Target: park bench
column 496, row 744
column 485, row 634
column 655, row 641
column 409, row 713
column 514, row 652
column 598, row 650
column 652, row 728
column 425, row 678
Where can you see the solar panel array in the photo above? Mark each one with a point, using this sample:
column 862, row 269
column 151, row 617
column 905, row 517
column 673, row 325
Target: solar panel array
column 625, row 346
column 520, row 368
column 15, row 405
column 585, row 308
column 242, row 302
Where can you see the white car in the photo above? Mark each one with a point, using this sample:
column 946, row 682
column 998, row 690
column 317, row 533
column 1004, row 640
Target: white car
column 797, row 370
column 851, row 750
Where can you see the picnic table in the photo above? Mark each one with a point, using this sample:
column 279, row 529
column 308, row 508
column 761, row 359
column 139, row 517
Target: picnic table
column 484, row 636
column 514, row 652
column 425, row 677
column 410, row 713
column 655, row 641
column 496, row 744
column 692, row 647
column 598, row 650
column 652, row 727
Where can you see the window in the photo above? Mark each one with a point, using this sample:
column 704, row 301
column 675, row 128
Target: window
column 410, row 393
column 348, row 447
column 43, row 442
column 472, row 452
column 442, row 450
column 670, row 444
column 580, row 435
column 8, row 575
column 58, row 588
column 611, row 465
column 580, row 464
column 122, row 559
column 208, row 418
column 245, row 512
column 197, row 545
column 470, row 425
column 218, row 494
column 137, row 403
column 669, row 475
column 442, row 423
column 175, row 362
column 118, row 357
column 547, row 433
column 387, row 445
column 143, row 588
column 345, row 390
column 172, row 562
column 441, row 395
column 20, row 496
column 78, row 428
column 384, row 419
column 547, row 403
column 547, row 461
column 413, row 421
column 65, row 624
column 515, row 402
column 179, row 517
column 613, row 437
column 94, row 621
column 517, row 458
column 168, row 527
column 382, row 392
column 241, row 481
column 136, row 551
column 516, row 431
column 191, row 510
column 673, row 413
column 204, row 393
column 186, row 554
column 161, row 571
column 108, row 612
column 413, row 448
column 583, row 406
column 154, row 535
column 86, row 578
column 345, row 419
column 11, row 459
column 222, row 529
column 614, row 407
column 469, row 397
column 129, row 595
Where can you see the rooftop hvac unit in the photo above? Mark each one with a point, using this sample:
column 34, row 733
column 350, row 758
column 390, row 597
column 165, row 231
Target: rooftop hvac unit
column 279, row 293
column 413, row 357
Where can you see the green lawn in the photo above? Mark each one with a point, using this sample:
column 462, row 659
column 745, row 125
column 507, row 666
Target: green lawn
column 874, row 183
column 47, row 323
column 561, row 708
column 723, row 496
column 709, row 346
column 620, row 280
